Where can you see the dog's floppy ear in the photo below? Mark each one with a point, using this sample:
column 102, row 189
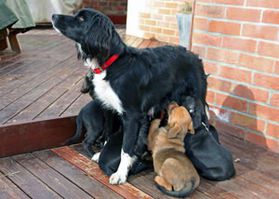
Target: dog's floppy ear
column 174, row 130
column 99, row 37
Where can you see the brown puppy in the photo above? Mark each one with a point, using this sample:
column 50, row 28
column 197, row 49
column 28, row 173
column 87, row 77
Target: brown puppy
column 176, row 175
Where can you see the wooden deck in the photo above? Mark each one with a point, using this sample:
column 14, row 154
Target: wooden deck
column 66, row 172
column 44, row 82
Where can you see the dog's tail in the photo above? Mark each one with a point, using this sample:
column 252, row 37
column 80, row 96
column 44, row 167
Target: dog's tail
column 186, row 191
column 78, row 134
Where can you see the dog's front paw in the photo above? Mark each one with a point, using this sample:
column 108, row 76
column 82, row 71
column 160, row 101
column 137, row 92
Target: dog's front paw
column 117, row 178
column 96, row 157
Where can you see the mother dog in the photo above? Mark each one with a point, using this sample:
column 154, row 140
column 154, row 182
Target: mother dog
column 128, row 80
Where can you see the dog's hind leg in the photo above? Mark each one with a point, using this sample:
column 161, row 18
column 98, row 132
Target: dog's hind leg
column 163, row 183
column 93, row 132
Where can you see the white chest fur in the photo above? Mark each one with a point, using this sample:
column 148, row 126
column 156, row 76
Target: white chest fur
column 105, row 93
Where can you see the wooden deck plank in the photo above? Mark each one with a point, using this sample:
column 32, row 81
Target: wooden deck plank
column 48, row 99
column 67, row 100
column 212, row 191
column 19, row 65
column 52, row 178
column 18, row 89
column 9, row 111
column 75, row 175
column 35, row 135
column 10, row 190
column 28, row 183
column 144, row 181
column 45, row 55
column 253, row 157
column 76, row 106
column 126, row 190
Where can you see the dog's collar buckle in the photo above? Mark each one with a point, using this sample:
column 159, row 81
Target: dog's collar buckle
column 107, row 64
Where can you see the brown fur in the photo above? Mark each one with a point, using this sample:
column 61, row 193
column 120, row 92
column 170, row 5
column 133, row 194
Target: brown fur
column 174, row 170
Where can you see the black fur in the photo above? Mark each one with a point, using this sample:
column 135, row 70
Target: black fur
column 141, row 78
column 96, row 123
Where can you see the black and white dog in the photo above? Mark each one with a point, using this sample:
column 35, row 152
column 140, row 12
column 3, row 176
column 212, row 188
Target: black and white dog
column 131, row 81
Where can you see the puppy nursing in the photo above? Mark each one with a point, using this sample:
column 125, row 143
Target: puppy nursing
column 176, row 175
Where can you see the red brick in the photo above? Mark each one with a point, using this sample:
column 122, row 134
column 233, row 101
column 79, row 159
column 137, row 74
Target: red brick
column 270, row 16
column 273, row 130
column 156, row 16
column 210, row 11
column 263, row 3
column 164, row 11
column 263, row 32
column 243, row 14
column 235, row 74
column 267, row 81
column 170, row 18
column 274, row 101
column 206, row 39
column 219, row 85
column 276, row 68
column 231, row 102
column 257, row 63
column 221, row 55
column 265, row 112
column 210, row 68
column 229, row 28
column 171, row 4
column 262, row 141
column 248, row 122
column 168, row 32
column 254, row 94
column 239, row 44
column 155, row 29
column 232, row 2
column 200, row 24
column 269, row 49
column 210, row 97
column 201, row 51
column 149, row 22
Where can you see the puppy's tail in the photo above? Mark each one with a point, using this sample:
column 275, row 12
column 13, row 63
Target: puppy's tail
column 186, row 191
column 78, row 134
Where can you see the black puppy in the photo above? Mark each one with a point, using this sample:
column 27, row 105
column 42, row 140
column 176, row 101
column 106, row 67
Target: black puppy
column 96, row 123
column 205, row 143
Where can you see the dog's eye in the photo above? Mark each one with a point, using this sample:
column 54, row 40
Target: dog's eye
column 81, row 19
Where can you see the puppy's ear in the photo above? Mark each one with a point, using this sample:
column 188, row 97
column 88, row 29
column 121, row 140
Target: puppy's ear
column 174, row 130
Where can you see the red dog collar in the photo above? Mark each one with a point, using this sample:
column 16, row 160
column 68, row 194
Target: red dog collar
column 107, row 64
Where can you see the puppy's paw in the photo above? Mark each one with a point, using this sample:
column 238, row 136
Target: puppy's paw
column 117, row 178
column 96, row 157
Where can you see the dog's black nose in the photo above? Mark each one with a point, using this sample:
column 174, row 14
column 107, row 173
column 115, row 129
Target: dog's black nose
column 54, row 17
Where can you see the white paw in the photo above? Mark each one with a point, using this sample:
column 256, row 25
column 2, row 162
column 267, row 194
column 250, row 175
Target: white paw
column 117, row 178
column 96, row 157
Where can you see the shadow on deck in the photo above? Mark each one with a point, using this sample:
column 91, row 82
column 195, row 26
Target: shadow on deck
column 43, row 82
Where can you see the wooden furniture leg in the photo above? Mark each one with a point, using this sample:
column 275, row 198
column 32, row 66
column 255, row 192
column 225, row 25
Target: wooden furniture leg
column 3, row 39
column 15, row 46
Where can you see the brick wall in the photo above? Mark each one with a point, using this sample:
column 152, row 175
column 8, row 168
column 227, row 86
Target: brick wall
column 109, row 7
column 239, row 43
column 154, row 19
